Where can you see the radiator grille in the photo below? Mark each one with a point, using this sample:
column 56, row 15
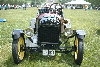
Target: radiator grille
column 48, row 34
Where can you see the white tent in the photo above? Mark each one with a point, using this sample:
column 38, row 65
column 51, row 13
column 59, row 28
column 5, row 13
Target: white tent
column 75, row 3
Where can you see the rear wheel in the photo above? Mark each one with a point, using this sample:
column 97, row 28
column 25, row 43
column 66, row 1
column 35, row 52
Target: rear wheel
column 79, row 50
column 18, row 52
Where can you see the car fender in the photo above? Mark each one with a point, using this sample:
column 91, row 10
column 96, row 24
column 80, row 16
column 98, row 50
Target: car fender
column 32, row 24
column 80, row 34
column 17, row 33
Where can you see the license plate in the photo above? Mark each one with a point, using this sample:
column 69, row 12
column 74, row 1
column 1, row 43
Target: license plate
column 48, row 52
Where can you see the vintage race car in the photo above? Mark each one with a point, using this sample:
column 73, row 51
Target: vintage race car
column 44, row 36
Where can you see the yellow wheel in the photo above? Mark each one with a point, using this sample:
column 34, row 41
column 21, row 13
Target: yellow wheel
column 21, row 45
column 18, row 52
column 76, row 51
column 79, row 50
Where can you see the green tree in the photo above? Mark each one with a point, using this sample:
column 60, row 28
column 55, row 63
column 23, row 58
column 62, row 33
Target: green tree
column 11, row 1
column 38, row 2
column 41, row 0
column 3, row 1
column 33, row 2
column 63, row 1
column 94, row 2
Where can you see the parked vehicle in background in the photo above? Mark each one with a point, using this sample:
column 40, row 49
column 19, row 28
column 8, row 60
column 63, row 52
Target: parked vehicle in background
column 95, row 8
column 98, row 8
column 18, row 6
column 12, row 7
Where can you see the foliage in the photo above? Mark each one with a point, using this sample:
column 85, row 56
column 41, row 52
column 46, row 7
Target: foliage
column 94, row 2
column 89, row 21
column 63, row 1
column 20, row 2
column 12, row 2
column 37, row 2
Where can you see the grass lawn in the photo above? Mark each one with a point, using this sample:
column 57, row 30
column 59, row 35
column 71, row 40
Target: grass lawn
column 89, row 21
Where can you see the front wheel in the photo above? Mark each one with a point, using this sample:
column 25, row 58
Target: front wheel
column 79, row 50
column 18, row 52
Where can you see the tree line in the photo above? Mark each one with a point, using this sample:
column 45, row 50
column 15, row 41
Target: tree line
column 12, row 2
column 94, row 2
column 20, row 2
column 38, row 2
column 63, row 1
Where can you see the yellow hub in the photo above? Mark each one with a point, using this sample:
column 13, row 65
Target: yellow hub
column 76, row 44
column 21, row 43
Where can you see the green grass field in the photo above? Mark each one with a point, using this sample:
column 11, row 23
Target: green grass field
column 89, row 21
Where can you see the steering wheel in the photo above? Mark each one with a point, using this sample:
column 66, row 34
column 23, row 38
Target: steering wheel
column 56, row 8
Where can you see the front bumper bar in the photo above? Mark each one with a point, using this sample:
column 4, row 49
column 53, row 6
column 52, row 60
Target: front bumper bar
column 57, row 50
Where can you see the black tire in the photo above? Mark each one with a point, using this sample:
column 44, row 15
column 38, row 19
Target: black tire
column 18, row 55
column 79, row 49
